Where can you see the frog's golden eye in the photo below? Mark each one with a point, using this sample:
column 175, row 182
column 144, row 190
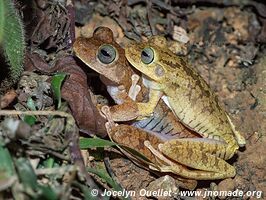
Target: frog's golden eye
column 147, row 55
column 106, row 54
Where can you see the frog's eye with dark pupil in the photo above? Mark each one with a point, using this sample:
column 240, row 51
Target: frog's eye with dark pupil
column 106, row 54
column 147, row 55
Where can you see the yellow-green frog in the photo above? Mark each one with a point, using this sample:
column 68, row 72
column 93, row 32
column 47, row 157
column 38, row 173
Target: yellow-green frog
column 190, row 98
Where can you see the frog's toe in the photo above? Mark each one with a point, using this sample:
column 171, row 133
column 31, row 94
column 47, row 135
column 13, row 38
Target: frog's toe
column 109, row 126
column 133, row 92
column 106, row 111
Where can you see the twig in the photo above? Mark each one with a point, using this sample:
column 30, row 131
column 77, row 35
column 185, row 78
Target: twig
column 149, row 14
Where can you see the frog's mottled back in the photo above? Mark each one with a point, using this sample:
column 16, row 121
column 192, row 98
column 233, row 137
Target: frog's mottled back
column 186, row 92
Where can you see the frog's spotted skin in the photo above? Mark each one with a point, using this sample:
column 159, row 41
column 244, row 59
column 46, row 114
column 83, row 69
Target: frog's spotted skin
column 192, row 101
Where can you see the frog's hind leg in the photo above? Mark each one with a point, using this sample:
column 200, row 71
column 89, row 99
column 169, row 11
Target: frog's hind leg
column 181, row 170
column 200, row 154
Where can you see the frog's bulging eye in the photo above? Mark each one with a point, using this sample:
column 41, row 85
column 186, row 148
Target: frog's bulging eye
column 106, row 54
column 147, row 55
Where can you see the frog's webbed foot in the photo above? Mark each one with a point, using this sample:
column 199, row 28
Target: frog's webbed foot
column 134, row 88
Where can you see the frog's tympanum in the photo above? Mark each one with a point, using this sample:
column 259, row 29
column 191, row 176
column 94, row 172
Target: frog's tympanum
column 102, row 54
column 186, row 93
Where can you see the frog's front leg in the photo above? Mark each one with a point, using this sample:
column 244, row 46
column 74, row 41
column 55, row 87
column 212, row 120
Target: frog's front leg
column 130, row 109
column 146, row 109
column 155, row 93
column 124, row 112
column 126, row 109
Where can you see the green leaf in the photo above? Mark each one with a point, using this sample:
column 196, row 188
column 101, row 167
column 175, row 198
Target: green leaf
column 103, row 174
column 46, row 193
column 31, row 104
column 87, row 192
column 6, row 164
column 86, row 143
column 49, row 162
column 28, row 178
column 26, row 173
column 30, row 119
column 56, row 84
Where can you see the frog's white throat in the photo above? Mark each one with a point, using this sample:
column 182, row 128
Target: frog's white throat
column 149, row 83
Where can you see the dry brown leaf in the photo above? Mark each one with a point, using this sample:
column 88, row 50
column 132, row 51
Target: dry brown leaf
column 75, row 91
